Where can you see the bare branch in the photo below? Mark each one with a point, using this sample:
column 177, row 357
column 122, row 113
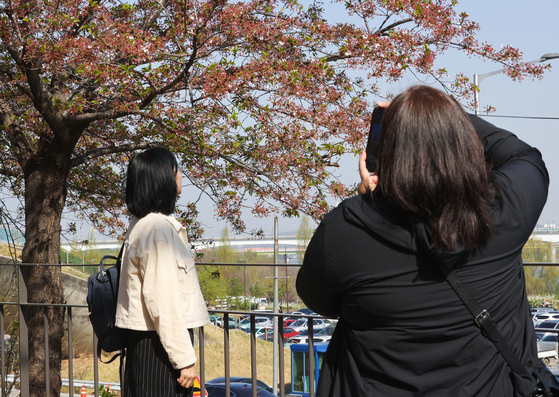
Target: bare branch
column 240, row 164
column 87, row 118
column 130, row 147
column 393, row 25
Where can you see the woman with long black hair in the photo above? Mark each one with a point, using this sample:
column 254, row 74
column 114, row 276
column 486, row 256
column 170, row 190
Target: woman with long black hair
column 448, row 187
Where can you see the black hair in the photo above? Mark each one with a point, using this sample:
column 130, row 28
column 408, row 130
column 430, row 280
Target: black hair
column 432, row 165
column 150, row 182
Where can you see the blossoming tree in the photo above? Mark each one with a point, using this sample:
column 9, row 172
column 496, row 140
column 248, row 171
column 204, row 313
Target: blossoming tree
column 257, row 98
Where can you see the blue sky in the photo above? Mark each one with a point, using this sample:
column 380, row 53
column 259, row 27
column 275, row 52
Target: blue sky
column 528, row 105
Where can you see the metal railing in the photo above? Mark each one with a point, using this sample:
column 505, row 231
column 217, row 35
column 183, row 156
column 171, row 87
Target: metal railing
column 24, row 377
column 23, row 306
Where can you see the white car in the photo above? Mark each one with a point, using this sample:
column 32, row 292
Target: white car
column 260, row 331
column 319, row 335
column 546, row 316
column 547, row 347
column 548, row 324
column 548, row 342
column 303, row 323
column 259, row 321
column 331, row 322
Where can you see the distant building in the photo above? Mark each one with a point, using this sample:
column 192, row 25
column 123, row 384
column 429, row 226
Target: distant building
column 547, row 232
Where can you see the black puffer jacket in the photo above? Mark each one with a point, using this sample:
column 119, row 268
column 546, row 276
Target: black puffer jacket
column 403, row 331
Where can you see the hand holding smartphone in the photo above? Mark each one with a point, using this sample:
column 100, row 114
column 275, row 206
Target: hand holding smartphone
column 374, row 137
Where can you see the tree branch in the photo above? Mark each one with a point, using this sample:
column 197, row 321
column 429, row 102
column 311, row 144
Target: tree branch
column 130, row 147
column 87, row 118
column 16, row 136
column 154, row 14
column 31, row 68
column 11, row 173
column 84, row 17
column 393, row 25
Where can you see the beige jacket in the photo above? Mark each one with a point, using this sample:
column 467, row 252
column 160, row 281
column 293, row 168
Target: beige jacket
column 159, row 287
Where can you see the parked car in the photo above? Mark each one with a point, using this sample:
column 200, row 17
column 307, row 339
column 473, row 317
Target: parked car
column 329, row 321
column 319, row 335
column 551, row 324
column 534, row 317
column 259, row 321
column 543, row 309
column 324, row 334
column 546, row 316
column 244, row 324
column 219, row 321
column 547, row 347
column 236, row 390
column 542, row 326
column 288, row 321
column 302, row 324
column 548, row 342
column 261, row 331
column 288, row 332
column 241, row 379
column 10, row 344
column 301, row 337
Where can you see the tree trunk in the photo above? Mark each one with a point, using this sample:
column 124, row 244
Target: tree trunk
column 44, row 202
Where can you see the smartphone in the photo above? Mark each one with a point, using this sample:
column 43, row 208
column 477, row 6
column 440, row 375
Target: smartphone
column 374, row 137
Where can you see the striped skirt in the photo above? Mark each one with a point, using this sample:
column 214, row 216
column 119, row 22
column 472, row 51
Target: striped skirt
column 148, row 371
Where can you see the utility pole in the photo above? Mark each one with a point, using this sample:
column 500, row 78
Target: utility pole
column 276, row 276
column 276, row 307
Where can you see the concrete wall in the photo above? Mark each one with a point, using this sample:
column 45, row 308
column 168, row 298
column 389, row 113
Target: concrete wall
column 75, row 292
column 8, row 288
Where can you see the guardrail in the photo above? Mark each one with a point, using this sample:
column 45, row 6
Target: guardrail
column 89, row 384
column 23, row 305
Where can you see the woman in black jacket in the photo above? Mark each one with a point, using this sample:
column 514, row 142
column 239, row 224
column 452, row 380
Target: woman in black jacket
column 448, row 187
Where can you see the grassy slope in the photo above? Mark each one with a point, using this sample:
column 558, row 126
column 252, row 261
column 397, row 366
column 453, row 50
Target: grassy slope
column 239, row 343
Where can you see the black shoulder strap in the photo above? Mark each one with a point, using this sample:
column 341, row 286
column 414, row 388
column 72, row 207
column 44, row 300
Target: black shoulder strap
column 482, row 318
column 119, row 259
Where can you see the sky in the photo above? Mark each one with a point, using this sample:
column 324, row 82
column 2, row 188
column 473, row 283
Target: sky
column 528, row 108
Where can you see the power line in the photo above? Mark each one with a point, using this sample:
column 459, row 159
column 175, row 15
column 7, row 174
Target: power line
column 521, row 117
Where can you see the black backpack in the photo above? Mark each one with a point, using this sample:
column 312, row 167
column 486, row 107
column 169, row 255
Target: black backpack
column 102, row 295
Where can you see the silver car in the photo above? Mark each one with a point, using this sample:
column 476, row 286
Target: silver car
column 319, row 335
column 303, row 323
column 259, row 321
column 546, row 316
column 547, row 343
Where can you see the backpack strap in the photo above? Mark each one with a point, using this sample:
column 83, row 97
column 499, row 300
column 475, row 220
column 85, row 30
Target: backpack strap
column 120, row 354
column 482, row 319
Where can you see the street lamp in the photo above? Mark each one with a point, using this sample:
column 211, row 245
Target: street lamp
column 479, row 77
